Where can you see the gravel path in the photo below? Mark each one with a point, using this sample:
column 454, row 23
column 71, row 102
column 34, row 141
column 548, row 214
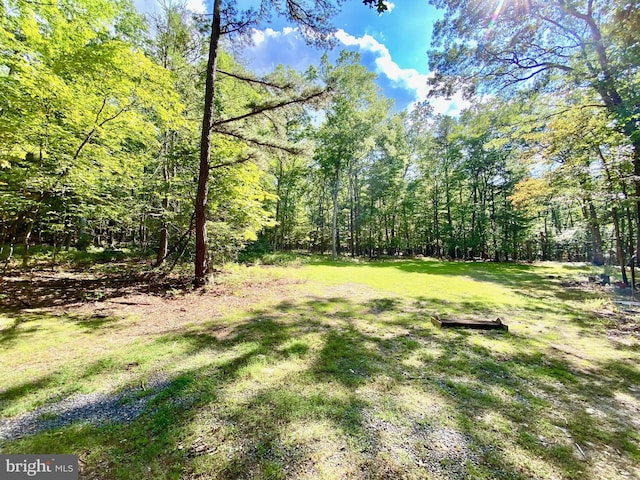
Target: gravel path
column 443, row 451
column 94, row 408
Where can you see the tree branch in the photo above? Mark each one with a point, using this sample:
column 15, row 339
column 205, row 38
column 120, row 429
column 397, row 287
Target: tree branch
column 273, row 106
column 113, row 117
column 255, row 80
column 238, row 27
column 260, row 142
column 88, row 137
column 231, row 163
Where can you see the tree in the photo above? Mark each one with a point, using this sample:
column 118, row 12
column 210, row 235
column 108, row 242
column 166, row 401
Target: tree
column 176, row 45
column 347, row 134
column 226, row 20
column 81, row 113
column 552, row 45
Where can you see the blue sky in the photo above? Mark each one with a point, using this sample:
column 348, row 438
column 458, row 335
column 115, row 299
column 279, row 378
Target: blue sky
column 394, row 45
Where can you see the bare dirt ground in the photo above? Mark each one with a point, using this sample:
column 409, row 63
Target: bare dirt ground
column 165, row 303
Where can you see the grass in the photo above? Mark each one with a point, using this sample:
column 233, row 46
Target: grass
column 339, row 373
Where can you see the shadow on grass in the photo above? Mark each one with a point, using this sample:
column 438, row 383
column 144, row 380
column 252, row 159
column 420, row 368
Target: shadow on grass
column 45, row 290
column 17, row 329
column 332, row 387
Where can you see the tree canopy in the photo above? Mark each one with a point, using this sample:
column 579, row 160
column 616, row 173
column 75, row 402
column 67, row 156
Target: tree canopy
column 103, row 140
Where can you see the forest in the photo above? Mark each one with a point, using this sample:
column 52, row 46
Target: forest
column 101, row 139
column 213, row 269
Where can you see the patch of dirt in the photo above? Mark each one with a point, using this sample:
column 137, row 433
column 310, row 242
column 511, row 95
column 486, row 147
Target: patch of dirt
column 40, row 289
column 165, row 304
column 621, row 316
column 622, row 323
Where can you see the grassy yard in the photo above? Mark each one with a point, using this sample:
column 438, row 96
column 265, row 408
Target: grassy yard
column 325, row 370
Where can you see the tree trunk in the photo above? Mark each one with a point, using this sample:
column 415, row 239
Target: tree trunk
column 323, row 226
column 205, row 150
column 619, row 247
column 598, row 256
column 358, row 217
column 636, row 182
column 163, row 246
column 334, row 218
column 590, row 215
column 494, row 226
column 436, row 223
column 545, row 241
column 25, row 243
column 474, row 235
column 352, row 227
column 447, row 194
column 276, row 230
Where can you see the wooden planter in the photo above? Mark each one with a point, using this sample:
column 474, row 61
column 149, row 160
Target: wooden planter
column 473, row 324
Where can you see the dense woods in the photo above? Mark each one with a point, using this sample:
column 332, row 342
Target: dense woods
column 101, row 121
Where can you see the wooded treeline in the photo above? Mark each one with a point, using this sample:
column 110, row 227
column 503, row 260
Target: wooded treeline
column 101, row 114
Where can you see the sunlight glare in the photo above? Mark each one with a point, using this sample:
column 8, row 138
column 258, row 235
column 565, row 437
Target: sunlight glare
column 494, row 17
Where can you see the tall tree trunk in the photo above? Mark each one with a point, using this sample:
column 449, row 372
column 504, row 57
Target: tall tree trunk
column 474, row 234
column 394, row 243
column 352, row 226
column 598, row 255
column 545, row 241
column 205, row 150
column 276, row 230
column 25, row 243
column 358, row 217
column 386, row 232
column 494, row 226
column 506, row 226
column 632, row 264
column 447, row 193
column 436, row 223
column 619, row 247
column 334, row 217
column 371, row 209
column 636, row 182
column 590, row 215
column 322, row 215
column 163, row 246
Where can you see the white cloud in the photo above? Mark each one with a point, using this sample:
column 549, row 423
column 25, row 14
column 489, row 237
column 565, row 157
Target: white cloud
column 259, row 36
column 390, row 6
column 271, row 47
column 452, row 106
column 196, row 6
column 407, row 78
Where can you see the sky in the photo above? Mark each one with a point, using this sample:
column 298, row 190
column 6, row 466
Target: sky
column 393, row 45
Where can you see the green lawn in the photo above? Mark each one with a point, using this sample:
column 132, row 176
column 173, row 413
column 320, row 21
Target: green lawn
column 334, row 370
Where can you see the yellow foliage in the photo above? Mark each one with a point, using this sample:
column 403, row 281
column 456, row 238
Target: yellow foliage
column 531, row 194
